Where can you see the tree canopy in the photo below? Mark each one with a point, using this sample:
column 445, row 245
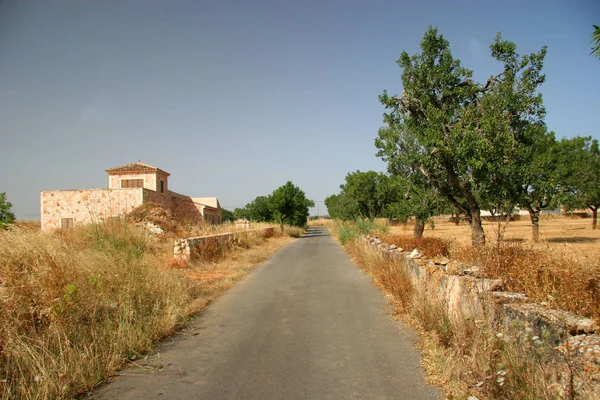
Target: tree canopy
column 287, row 205
column 460, row 137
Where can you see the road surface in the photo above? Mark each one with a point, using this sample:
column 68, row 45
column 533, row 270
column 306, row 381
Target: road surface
column 307, row 324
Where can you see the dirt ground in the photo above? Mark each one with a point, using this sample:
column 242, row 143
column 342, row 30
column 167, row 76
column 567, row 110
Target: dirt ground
column 562, row 234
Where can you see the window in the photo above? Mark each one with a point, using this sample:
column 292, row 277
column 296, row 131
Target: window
column 162, row 186
column 132, row 183
column 66, row 223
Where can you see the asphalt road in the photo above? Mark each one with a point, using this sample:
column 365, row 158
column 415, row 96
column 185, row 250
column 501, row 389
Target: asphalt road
column 307, row 324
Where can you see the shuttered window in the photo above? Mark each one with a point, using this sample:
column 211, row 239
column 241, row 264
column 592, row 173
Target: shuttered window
column 66, row 223
column 132, row 183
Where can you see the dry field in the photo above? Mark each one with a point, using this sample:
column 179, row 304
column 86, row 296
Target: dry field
column 566, row 235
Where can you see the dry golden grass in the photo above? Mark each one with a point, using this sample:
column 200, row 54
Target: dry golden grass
column 467, row 357
column 563, row 270
column 561, row 234
column 320, row 222
column 76, row 305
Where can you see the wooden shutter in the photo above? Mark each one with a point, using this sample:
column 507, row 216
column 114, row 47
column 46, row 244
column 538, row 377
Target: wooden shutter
column 132, row 183
column 66, row 223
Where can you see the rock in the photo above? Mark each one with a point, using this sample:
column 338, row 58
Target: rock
column 154, row 229
column 586, row 325
column 473, row 271
column 440, row 260
column 494, row 285
column 392, row 247
column 416, row 254
column 509, row 297
column 454, row 267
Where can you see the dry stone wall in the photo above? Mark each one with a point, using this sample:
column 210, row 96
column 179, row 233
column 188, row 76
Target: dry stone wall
column 86, row 206
column 185, row 249
column 466, row 294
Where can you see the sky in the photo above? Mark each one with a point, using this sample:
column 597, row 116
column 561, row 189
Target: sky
column 234, row 98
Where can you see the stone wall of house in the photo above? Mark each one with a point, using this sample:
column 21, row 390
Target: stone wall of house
column 86, row 206
column 185, row 208
column 151, row 180
column 162, row 199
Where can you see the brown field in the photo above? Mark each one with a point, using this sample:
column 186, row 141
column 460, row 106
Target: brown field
column 566, row 235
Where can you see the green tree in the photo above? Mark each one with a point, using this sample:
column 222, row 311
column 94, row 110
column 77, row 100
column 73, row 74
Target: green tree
column 341, row 206
column 227, row 215
column 579, row 160
column 289, row 205
column 370, row 191
column 6, row 215
column 459, row 134
column 259, row 210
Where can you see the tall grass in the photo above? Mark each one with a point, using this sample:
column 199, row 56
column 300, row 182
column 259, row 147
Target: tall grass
column 75, row 304
column 348, row 232
column 468, row 357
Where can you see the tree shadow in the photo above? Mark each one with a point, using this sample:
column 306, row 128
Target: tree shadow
column 574, row 239
column 315, row 232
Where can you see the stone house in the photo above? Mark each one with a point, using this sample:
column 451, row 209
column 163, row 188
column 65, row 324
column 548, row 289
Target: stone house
column 129, row 186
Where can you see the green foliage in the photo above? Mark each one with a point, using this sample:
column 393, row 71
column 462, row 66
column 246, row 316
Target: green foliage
column 457, row 136
column 227, row 215
column 289, row 205
column 579, row 171
column 341, row 206
column 596, row 41
column 6, row 215
column 257, row 210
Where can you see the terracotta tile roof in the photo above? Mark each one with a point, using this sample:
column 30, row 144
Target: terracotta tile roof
column 135, row 167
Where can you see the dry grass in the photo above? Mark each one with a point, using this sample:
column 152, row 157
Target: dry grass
column 569, row 282
column 76, row 305
column 560, row 234
column 465, row 357
column 176, row 227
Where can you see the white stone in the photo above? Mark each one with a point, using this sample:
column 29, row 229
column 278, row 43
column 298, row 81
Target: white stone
column 416, row 254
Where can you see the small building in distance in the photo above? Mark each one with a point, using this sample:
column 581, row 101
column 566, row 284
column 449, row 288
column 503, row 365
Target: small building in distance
column 129, row 186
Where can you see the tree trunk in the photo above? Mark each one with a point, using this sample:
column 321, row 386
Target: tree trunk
column 534, row 215
column 477, row 235
column 594, row 217
column 281, row 226
column 419, row 227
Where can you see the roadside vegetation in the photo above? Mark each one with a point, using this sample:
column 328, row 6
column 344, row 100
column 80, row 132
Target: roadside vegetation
column 77, row 305
column 469, row 357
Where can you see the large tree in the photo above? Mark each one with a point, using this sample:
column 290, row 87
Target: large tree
column 579, row 160
column 289, row 205
column 460, row 134
column 341, row 206
column 6, row 215
column 371, row 191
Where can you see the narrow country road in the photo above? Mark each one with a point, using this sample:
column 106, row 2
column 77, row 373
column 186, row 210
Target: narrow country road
column 307, row 324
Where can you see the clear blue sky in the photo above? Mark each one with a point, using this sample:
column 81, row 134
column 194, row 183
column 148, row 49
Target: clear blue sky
column 234, row 98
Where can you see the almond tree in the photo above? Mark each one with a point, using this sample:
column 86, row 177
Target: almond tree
column 461, row 136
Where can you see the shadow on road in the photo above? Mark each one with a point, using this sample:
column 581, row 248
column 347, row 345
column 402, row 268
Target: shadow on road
column 315, row 232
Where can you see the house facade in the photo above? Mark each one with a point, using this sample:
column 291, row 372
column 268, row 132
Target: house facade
column 129, row 186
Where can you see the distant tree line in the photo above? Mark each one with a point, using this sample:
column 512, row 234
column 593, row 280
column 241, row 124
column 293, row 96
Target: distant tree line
column 285, row 205
column 451, row 143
